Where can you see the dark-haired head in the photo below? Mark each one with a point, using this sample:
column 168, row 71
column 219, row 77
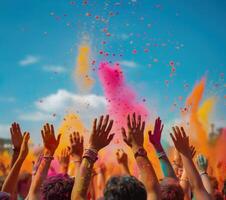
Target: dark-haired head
column 124, row 187
column 171, row 190
column 57, row 187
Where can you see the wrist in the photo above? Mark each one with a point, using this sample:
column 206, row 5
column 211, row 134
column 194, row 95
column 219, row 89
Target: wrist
column 76, row 157
column 91, row 147
column 158, row 148
column 135, row 148
column 47, row 152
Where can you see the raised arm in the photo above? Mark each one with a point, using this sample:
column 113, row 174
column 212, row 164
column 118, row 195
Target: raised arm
column 184, row 182
column 135, row 139
column 76, row 151
column 50, row 145
column 10, row 183
column 155, row 139
column 202, row 164
column 181, row 142
column 122, row 159
column 16, row 139
column 99, row 138
column 64, row 159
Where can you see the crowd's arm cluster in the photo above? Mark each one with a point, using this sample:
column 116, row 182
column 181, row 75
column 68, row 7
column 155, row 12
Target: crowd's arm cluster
column 182, row 179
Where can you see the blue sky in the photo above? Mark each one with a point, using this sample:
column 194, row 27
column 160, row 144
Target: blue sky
column 39, row 41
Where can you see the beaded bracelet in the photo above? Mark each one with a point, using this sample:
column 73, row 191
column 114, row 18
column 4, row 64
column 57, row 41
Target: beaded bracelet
column 90, row 154
column 203, row 173
column 48, row 157
column 161, row 154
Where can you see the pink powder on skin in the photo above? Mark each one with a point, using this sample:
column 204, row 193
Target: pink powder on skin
column 121, row 98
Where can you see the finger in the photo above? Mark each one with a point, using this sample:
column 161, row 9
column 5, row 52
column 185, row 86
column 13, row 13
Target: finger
column 139, row 122
column 178, row 132
column 78, row 136
column 48, row 128
column 52, row 129
column 173, row 138
column 58, row 138
column 43, row 135
column 174, row 131
column 109, row 127
column 183, row 132
column 105, row 123
column 110, row 138
column 82, row 140
column 94, row 124
column 123, row 133
column 26, row 136
column 150, row 135
column 18, row 129
column 142, row 127
column 161, row 129
column 74, row 137
column 71, row 139
column 129, row 122
column 100, row 123
column 134, row 120
column 45, row 128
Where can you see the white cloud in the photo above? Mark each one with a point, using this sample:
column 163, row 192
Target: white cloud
column 128, row 63
column 29, row 60
column 35, row 116
column 87, row 106
column 4, row 128
column 54, row 68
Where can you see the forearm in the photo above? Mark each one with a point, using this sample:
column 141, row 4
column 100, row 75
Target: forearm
column 165, row 164
column 206, row 183
column 14, row 157
column 40, row 176
column 148, row 176
column 184, row 183
column 82, row 181
column 76, row 162
column 194, row 178
column 10, row 183
column 125, row 169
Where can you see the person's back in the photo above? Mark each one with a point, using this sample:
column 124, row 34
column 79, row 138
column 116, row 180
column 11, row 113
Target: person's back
column 124, row 188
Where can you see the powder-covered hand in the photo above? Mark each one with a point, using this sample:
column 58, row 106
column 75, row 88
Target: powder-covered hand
column 101, row 136
column 135, row 136
column 155, row 137
column 49, row 140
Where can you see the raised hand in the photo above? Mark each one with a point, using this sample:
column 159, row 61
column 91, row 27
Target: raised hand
column 181, row 141
column 49, row 140
column 155, row 137
column 135, row 136
column 24, row 146
column 100, row 134
column 202, row 163
column 76, row 146
column 122, row 157
column 16, row 136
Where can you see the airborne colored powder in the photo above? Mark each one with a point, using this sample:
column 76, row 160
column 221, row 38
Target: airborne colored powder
column 121, row 99
column 83, row 79
column 197, row 130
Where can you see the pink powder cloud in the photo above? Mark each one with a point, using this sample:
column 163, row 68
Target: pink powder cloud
column 121, row 98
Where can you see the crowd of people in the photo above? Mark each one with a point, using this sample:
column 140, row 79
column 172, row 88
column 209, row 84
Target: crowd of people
column 184, row 178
